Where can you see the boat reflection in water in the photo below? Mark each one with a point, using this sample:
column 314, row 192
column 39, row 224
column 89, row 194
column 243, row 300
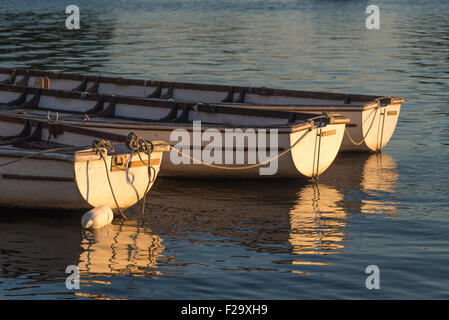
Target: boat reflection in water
column 319, row 217
column 279, row 217
column 37, row 247
column 368, row 183
column 317, row 222
column 127, row 248
column 124, row 248
column 280, row 225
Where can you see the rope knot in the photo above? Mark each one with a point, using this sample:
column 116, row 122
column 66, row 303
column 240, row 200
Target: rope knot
column 103, row 144
column 138, row 144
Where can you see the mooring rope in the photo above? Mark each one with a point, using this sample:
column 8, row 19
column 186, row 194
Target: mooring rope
column 379, row 143
column 316, row 155
column 107, row 145
column 135, row 144
column 367, row 132
column 241, row 167
column 140, row 145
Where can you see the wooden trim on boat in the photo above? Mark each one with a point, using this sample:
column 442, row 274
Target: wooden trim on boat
column 186, row 126
column 345, row 98
column 134, row 164
column 66, row 127
column 159, row 146
column 55, row 156
column 328, row 133
column 153, row 162
column 37, row 178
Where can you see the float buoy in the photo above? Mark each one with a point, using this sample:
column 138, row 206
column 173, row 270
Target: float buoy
column 97, row 218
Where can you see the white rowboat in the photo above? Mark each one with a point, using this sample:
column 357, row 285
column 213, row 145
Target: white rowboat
column 305, row 145
column 41, row 174
column 372, row 123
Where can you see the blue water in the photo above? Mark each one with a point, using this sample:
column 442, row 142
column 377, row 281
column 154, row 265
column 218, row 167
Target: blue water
column 255, row 240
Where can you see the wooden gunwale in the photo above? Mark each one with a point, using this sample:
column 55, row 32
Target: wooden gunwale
column 203, row 87
column 159, row 146
column 140, row 124
column 57, row 156
column 36, row 178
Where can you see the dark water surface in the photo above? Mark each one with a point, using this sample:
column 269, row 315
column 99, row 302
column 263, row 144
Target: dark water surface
column 256, row 240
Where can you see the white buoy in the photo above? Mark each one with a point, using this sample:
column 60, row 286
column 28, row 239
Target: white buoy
column 97, row 218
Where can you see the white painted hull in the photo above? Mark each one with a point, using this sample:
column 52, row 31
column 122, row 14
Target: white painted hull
column 68, row 179
column 61, row 184
column 313, row 149
column 25, row 185
column 302, row 161
column 369, row 129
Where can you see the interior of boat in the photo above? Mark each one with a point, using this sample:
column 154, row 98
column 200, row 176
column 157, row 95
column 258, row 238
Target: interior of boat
column 107, row 108
column 31, row 134
column 180, row 91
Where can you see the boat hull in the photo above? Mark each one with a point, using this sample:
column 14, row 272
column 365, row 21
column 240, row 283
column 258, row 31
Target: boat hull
column 367, row 132
column 308, row 157
column 277, row 154
column 40, row 184
column 370, row 130
column 57, row 183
